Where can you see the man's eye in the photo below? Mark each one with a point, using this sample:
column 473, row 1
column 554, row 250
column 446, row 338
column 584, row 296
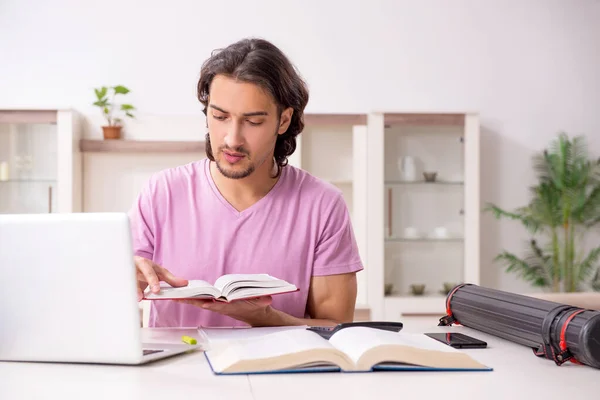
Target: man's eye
column 218, row 117
column 254, row 123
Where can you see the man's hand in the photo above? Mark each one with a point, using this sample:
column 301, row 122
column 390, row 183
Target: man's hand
column 331, row 301
column 150, row 274
column 254, row 312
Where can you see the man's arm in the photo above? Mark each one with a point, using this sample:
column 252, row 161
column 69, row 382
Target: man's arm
column 331, row 301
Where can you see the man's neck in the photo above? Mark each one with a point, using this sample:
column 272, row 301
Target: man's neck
column 243, row 193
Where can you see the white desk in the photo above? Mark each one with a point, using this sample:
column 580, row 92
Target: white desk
column 517, row 374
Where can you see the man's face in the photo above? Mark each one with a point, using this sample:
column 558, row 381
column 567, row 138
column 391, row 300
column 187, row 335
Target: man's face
column 243, row 125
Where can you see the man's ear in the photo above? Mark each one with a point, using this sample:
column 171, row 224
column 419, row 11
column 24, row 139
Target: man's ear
column 285, row 120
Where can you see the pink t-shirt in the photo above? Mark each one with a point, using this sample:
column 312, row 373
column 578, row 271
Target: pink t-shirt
column 300, row 229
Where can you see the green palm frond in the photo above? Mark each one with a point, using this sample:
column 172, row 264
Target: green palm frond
column 580, row 203
column 541, row 166
column 595, row 171
column 589, row 211
column 545, row 205
column 522, row 214
column 596, row 281
column 566, row 162
column 557, row 160
column 587, row 267
column 541, row 259
column 564, row 204
column 529, row 271
column 579, row 149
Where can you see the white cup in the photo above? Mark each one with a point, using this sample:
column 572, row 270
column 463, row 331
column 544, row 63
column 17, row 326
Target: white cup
column 410, row 232
column 441, row 232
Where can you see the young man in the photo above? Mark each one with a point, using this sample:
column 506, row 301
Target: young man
column 243, row 209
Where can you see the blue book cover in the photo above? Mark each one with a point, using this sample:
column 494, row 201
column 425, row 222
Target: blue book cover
column 332, row 368
column 351, row 350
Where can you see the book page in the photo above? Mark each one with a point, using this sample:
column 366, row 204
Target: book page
column 235, row 286
column 227, row 279
column 193, row 289
column 215, row 335
column 356, row 341
column 241, row 293
column 224, row 354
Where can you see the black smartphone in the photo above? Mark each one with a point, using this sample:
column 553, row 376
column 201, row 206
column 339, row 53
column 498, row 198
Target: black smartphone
column 458, row 340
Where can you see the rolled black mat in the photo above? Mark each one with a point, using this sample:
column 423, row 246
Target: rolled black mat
column 559, row 332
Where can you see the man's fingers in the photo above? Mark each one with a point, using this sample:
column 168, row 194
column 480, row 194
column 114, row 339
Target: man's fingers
column 202, row 303
column 140, row 276
column 171, row 279
column 262, row 301
column 147, row 269
column 142, row 285
column 152, row 273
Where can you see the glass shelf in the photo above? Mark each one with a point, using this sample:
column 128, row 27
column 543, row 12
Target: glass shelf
column 413, row 203
column 51, row 181
column 424, row 239
column 29, row 178
column 422, row 182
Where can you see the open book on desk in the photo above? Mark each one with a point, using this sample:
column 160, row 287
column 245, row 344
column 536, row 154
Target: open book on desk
column 356, row 349
column 226, row 288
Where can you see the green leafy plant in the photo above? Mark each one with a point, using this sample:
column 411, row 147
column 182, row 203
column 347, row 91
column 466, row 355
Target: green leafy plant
column 564, row 206
column 108, row 105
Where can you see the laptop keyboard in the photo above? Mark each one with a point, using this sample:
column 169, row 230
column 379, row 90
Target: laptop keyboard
column 147, row 351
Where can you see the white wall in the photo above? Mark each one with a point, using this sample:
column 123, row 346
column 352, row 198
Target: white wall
column 530, row 67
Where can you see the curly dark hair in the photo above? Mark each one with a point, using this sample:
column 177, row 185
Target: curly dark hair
column 260, row 62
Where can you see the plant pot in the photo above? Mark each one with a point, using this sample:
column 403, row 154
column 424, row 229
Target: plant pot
column 448, row 286
column 388, row 288
column 111, row 132
column 417, row 289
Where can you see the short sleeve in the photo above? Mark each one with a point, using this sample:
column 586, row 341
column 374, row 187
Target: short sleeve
column 141, row 221
column 336, row 251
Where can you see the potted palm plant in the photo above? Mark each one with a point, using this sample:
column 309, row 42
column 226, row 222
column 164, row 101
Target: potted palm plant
column 564, row 207
column 111, row 111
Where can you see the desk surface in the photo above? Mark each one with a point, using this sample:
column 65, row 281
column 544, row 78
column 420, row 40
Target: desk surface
column 517, row 374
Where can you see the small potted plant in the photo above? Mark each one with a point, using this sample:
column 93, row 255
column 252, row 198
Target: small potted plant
column 448, row 286
column 110, row 109
column 563, row 210
column 417, row 289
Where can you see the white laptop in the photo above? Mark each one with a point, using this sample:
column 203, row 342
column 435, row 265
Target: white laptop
column 68, row 291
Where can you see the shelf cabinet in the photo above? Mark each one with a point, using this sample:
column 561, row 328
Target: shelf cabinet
column 40, row 167
column 423, row 210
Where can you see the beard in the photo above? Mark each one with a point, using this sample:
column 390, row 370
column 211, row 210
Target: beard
column 235, row 174
column 250, row 168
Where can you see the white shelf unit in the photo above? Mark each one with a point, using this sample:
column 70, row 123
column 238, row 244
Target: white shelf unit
column 403, row 248
column 41, row 149
column 333, row 147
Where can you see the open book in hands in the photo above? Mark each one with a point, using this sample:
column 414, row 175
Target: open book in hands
column 350, row 349
column 226, row 288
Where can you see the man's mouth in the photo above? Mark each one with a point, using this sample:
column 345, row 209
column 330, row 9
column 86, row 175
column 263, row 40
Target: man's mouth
column 233, row 158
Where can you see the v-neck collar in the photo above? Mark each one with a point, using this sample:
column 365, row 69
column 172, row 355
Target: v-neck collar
column 228, row 205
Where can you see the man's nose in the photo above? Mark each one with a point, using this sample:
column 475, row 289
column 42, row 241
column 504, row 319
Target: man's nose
column 234, row 137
